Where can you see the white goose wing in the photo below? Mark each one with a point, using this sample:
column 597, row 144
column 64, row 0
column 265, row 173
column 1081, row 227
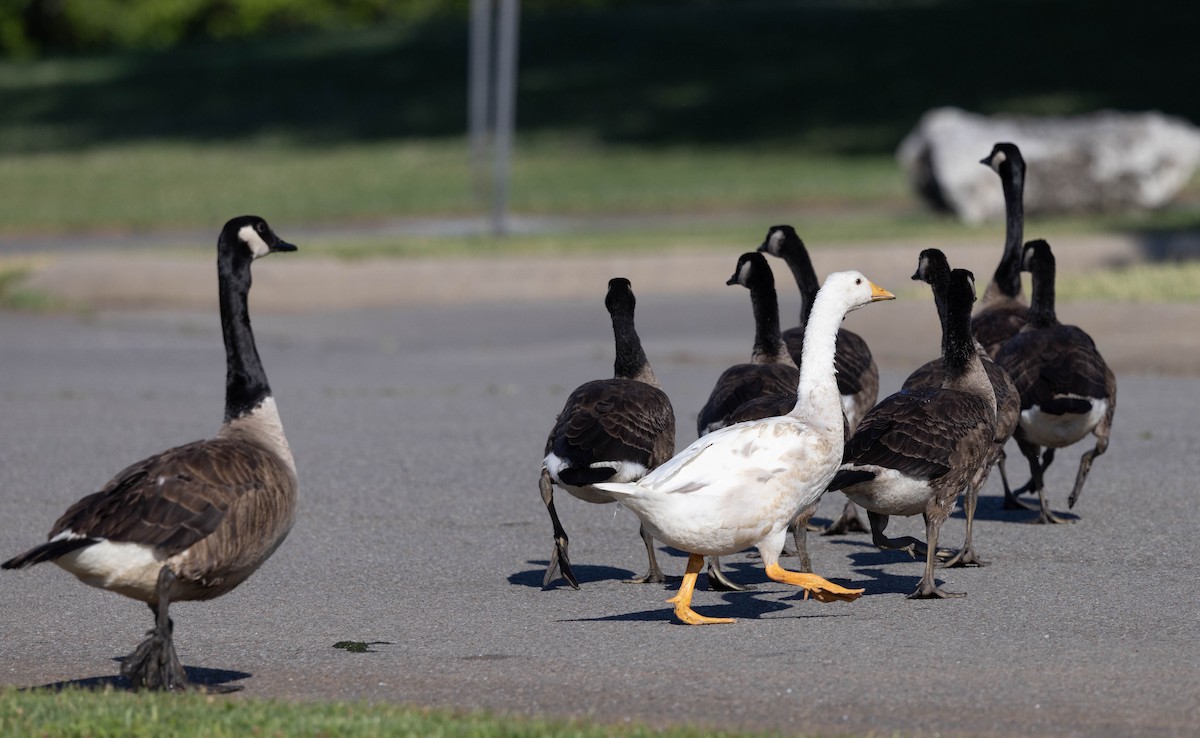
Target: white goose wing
column 738, row 453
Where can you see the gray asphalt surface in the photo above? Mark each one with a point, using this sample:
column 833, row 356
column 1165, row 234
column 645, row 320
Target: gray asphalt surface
column 418, row 432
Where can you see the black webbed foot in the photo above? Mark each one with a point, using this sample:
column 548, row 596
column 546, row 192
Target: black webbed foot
column 963, row 557
column 718, row 582
column 154, row 665
column 847, row 522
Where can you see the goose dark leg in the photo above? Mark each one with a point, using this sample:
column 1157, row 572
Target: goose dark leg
column 655, row 575
column 558, row 558
column 800, row 528
column 154, row 664
column 847, row 522
column 927, row 588
column 1012, row 503
column 966, row 556
column 1010, row 495
column 879, row 523
column 718, row 582
column 1045, row 516
column 1085, row 464
column 1000, row 459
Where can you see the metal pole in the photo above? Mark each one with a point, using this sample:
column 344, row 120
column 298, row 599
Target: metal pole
column 479, row 95
column 506, row 109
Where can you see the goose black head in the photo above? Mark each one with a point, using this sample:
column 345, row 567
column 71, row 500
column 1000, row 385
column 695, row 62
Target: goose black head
column 931, row 266
column 1002, row 153
column 780, row 239
column 1036, row 254
column 254, row 237
column 962, row 287
column 752, row 271
column 620, row 295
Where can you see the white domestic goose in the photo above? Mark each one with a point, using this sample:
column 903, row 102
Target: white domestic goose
column 192, row 522
column 742, row 485
column 1067, row 390
column 608, row 430
column 918, row 449
column 857, row 373
column 934, row 269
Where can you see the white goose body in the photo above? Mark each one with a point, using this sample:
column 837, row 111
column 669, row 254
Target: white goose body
column 741, row 485
column 697, row 501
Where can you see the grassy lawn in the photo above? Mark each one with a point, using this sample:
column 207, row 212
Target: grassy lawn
column 163, row 185
column 86, row 714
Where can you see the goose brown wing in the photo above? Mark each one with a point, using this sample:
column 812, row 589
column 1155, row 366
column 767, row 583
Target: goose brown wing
column 767, row 406
column 994, row 326
column 171, row 500
column 613, row 420
column 851, row 360
column 741, row 383
column 1049, row 363
column 918, row 433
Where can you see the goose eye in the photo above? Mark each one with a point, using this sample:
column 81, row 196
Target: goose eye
column 858, row 281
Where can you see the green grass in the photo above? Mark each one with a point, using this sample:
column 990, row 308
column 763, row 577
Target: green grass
column 14, row 296
column 76, row 713
column 1141, row 283
column 157, row 185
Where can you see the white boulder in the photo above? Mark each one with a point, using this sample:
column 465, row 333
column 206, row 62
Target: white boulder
column 1103, row 161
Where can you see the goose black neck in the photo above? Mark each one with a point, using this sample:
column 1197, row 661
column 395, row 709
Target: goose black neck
column 799, row 262
column 937, row 275
column 1041, row 304
column 767, row 340
column 245, row 381
column 631, row 359
column 1008, row 273
column 958, row 345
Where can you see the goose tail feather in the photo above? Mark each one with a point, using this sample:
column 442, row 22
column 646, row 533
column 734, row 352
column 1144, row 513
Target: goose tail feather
column 48, row 551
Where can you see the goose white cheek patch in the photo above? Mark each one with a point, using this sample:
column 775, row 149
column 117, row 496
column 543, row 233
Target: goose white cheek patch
column 250, row 237
column 775, row 241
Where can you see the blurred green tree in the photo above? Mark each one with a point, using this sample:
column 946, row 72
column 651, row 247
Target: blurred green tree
column 32, row 27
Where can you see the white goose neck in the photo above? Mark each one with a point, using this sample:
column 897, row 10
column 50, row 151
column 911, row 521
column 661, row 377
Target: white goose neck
column 817, row 393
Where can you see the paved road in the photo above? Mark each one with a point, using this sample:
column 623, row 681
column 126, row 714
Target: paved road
column 418, row 432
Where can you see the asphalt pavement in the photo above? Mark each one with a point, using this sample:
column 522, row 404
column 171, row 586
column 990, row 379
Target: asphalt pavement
column 418, row 426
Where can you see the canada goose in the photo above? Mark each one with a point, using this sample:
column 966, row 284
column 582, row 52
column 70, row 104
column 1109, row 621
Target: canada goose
column 934, row 269
column 192, row 522
column 917, row 449
column 771, row 373
column 742, row 485
column 1002, row 310
column 771, row 370
column 1067, row 391
column 609, row 430
column 857, row 374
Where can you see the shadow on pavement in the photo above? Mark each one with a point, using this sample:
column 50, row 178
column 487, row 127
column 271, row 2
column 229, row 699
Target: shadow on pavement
column 212, row 681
